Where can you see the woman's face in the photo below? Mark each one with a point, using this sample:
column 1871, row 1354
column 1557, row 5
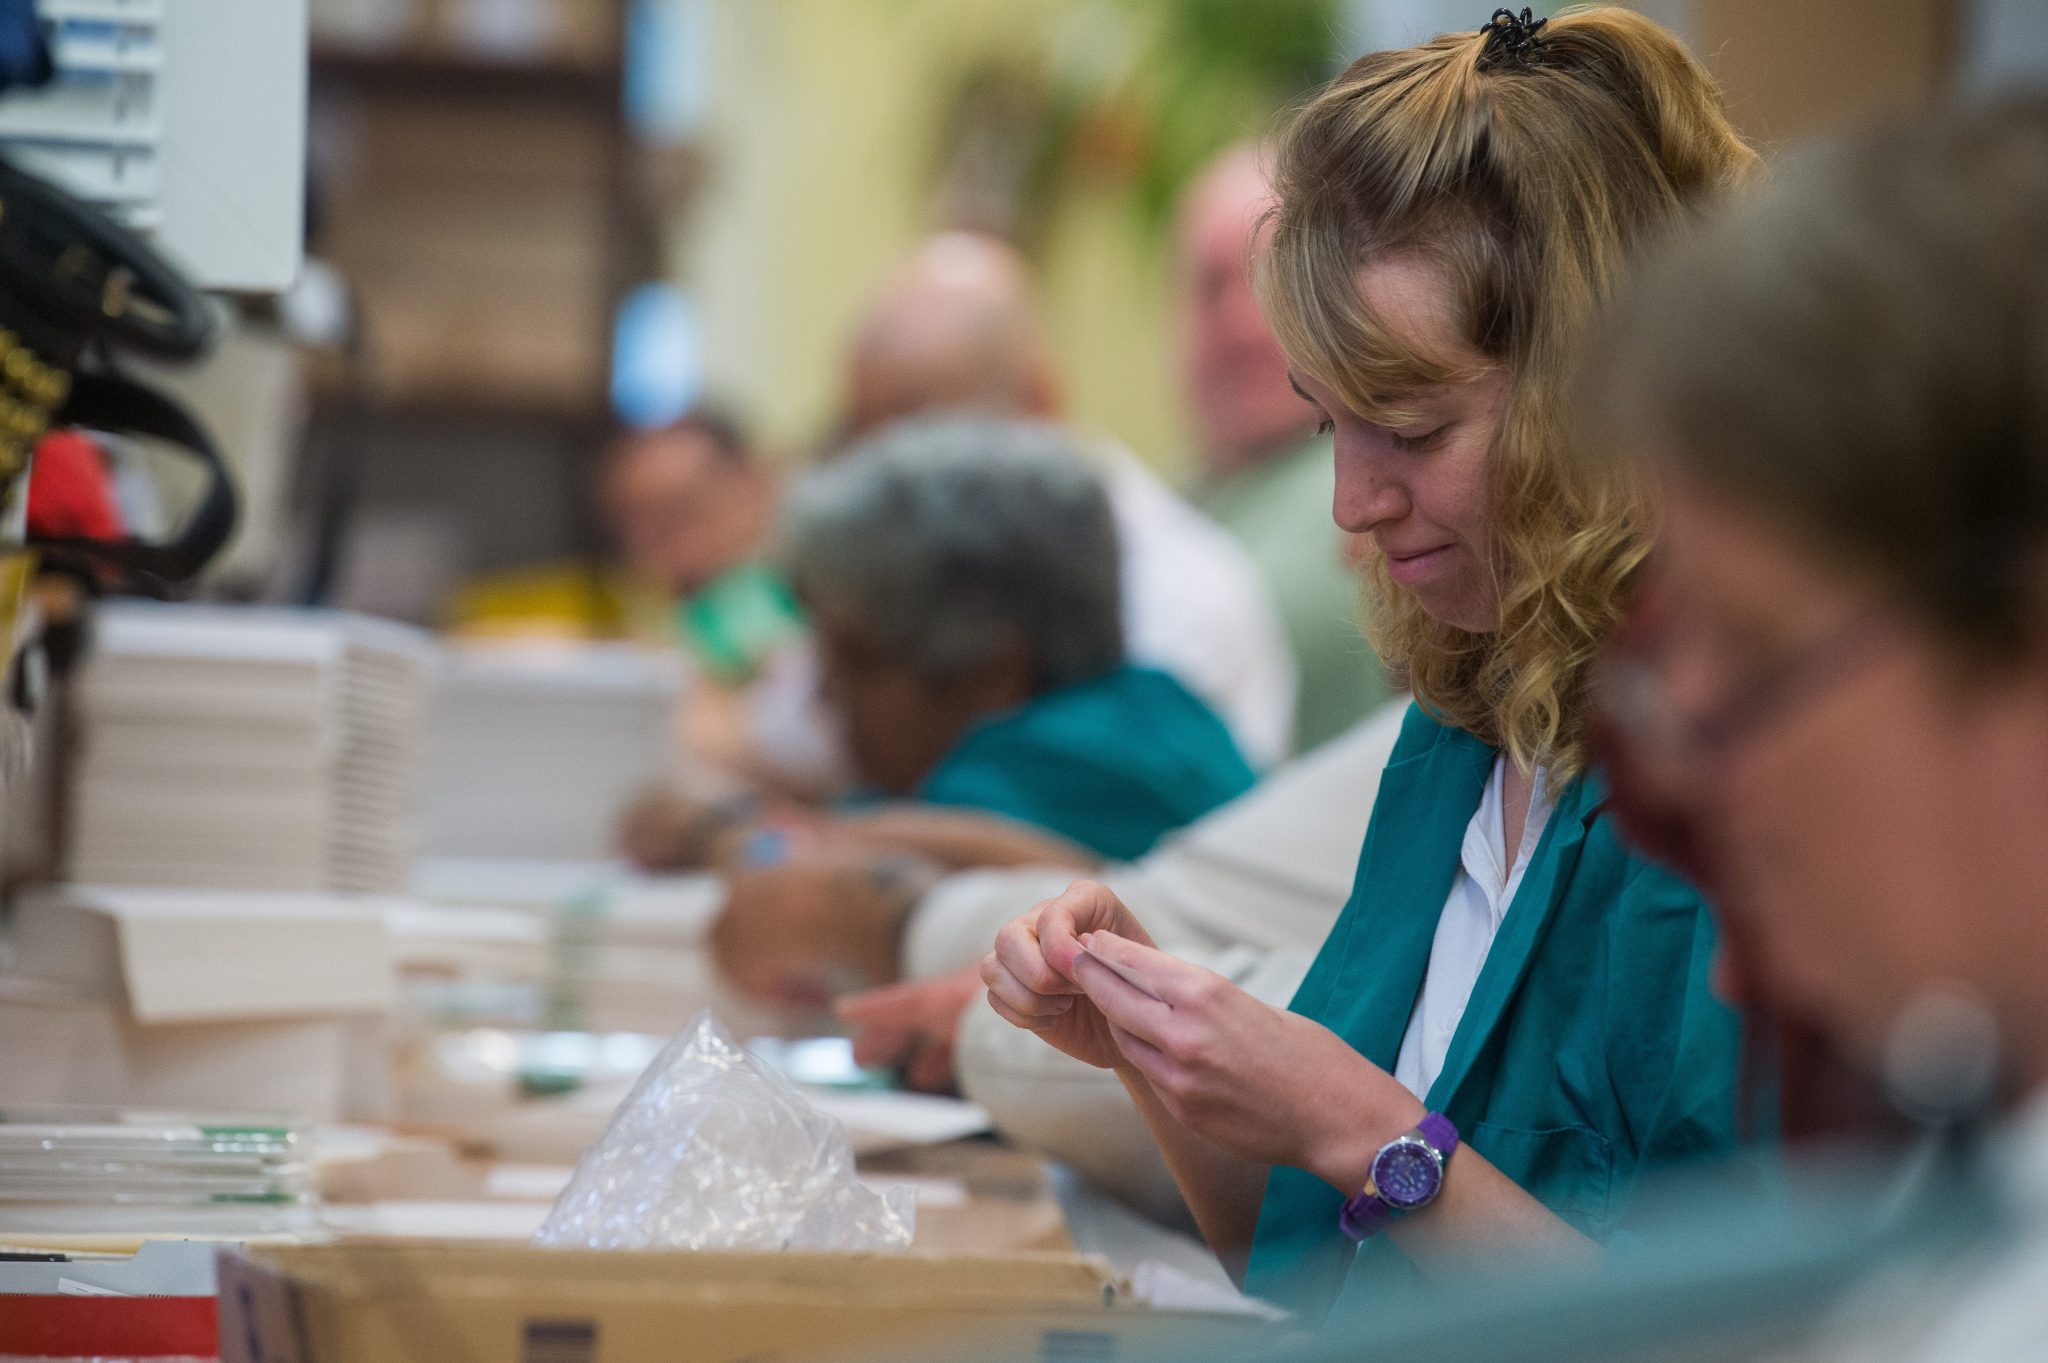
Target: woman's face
column 900, row 724
column 897, row 723
column 1873, row 812
column 1418, row 491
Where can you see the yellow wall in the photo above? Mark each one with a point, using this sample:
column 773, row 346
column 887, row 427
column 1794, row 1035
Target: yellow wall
column 823, row 120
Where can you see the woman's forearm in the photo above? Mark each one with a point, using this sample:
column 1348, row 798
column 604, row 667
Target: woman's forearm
column 964, row 839
column 1222, row 1191
column 1481, row 1214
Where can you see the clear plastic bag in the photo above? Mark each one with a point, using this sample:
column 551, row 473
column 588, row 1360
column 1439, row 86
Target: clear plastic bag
column 715, row 1150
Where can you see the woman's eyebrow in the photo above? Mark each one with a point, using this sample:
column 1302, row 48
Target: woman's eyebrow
column 1293, row 383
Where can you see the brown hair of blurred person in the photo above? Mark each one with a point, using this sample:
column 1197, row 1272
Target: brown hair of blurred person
column 688, row 502
column 1530, row 184
column 1233, row 371
column 953, row 327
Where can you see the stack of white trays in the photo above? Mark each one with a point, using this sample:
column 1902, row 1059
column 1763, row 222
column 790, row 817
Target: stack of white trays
column 87, row 1171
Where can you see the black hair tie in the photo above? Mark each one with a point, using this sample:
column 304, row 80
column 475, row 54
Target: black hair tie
column 1510, row 41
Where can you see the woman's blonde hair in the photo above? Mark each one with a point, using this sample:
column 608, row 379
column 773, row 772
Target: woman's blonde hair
column 1530, row 175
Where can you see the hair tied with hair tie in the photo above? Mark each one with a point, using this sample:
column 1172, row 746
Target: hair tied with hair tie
column 1509, row 39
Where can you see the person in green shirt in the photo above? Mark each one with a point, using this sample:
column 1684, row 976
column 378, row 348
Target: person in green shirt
column 1265, row 476
column 1511, row 1021
column 692, row 506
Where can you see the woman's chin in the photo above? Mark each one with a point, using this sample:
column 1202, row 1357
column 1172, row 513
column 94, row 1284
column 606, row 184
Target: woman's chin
column 1455, row 609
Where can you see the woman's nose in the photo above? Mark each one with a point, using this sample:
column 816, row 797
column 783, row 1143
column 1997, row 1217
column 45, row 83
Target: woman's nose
column 1364, row 499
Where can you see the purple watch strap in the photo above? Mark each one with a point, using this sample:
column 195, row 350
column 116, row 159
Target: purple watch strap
column 1363, row 1216
column 1366, row 1214
column 1438, row 1131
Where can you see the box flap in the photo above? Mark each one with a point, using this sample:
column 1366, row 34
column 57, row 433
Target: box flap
column 158, row 1268
column 208, row 955
column 996, row 1282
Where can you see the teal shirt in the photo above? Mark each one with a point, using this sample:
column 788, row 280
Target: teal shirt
column 1113, row 764
column 1592, row 1048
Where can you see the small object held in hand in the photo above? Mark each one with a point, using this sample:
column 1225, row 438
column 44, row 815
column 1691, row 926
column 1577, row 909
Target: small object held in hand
column 1113, row 968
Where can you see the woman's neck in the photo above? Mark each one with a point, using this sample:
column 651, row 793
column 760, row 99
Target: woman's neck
column 1517, row 790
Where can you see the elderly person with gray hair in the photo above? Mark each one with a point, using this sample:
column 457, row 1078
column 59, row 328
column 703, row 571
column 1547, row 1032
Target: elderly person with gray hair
column 961, row 577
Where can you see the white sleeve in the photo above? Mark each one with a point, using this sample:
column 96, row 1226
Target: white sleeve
column 1271, row 869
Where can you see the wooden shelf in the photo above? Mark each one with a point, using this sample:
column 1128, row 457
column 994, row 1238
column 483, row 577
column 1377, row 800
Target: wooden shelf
column 468, row 407
column 426, row 73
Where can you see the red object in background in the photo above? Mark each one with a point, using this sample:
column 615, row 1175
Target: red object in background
column 103, row 1327
column 71, row 489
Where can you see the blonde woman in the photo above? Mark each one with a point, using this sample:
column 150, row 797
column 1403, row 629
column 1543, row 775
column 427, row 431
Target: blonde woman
column 1512, row 1018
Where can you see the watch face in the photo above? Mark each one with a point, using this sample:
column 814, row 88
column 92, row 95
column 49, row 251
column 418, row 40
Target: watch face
column 1407, row 1174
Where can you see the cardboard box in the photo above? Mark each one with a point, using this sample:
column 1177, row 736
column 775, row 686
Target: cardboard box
column 157, row 1303
column 65, row 1046
column 198, row 999
column 208, row 955
column 455, row 1304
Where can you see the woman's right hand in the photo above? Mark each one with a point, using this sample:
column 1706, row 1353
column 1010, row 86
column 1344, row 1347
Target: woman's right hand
column 1030, row 973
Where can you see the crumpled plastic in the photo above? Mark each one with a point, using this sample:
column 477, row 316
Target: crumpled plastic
column 714, row 1149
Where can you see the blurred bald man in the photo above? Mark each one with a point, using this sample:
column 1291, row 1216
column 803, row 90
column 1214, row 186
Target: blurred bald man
column 956, row 327
column 1266, row 477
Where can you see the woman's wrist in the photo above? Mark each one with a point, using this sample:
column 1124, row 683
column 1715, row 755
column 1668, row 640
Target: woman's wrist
column 1376, row 1109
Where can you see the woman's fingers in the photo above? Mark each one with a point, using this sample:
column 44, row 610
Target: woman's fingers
column 1125, row 1004
column 1083, row 907
column 1003, row 984
column 1029, row 1022
column 1159, row 1068
column 1169, row 979
column 1018, row 952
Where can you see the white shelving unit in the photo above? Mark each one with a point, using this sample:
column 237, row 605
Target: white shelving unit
column 187, row 120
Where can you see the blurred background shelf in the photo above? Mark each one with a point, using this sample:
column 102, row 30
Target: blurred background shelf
column 454, row 75
column 476, row 183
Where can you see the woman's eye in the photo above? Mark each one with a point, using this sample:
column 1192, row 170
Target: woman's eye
column 1427, row 440
column 1325, row 426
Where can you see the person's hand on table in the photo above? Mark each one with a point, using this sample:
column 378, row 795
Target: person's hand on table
column 1030, row 973
column 819, row 925
column 663, row 829
column 910, row 1027
column 1265, row 1084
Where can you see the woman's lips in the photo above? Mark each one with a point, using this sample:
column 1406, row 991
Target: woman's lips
column 1408, row 569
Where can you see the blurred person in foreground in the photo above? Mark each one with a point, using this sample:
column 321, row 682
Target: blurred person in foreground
column 1510, row 1023
column 1266, row 475
column 961, row 577
column 955, row 327
column 1840, row 679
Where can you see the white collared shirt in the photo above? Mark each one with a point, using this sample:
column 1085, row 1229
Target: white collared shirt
column 1479, row 902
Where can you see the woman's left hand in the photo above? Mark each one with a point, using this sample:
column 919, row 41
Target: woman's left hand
column 1264, row 1084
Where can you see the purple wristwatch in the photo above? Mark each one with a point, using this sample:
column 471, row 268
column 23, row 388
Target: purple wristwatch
column 1407, row 1173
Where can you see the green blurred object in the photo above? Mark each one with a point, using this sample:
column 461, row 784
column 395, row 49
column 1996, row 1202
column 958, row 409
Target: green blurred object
column 732, row 625
column 1139, row 93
